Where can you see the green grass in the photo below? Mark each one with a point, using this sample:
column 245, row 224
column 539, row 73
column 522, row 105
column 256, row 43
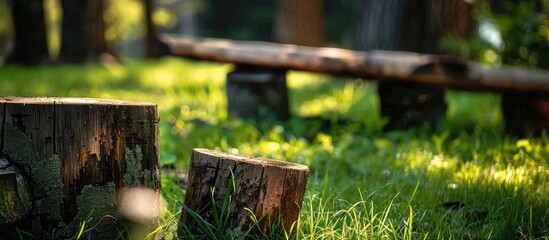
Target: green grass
column 364, row 184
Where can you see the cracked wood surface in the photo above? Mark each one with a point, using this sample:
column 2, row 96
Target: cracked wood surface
column 269, row 189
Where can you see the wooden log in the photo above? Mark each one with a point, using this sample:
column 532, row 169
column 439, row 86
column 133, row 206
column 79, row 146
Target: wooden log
column 447, row 71
column 251, row 90
column 410, row 104
column 78, row 154
column 14, row 194
column 270, row 190
column 525, row 115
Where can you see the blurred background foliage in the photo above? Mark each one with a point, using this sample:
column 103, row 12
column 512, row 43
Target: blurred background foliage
column 508, row 32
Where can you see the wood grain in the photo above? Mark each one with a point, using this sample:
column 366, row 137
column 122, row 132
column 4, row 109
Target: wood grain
column 270, row 190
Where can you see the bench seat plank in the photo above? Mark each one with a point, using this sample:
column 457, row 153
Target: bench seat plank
column 441, row 70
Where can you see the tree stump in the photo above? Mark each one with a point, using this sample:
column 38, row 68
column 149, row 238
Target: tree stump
column 76, row 155
column 415, row 26
column 411, row 104
column 271, row 191
column 525, row 114
column 252, row 90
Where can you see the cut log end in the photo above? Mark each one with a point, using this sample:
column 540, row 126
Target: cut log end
column 269, row 191
column 255, row 161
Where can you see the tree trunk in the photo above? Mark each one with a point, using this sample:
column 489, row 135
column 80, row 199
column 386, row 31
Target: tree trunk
column 150, row 36
column 77, row 155
column 83, row 31
column 417, row 26
column 153, row 47
column 30, row 44
column 257, row 93
column 525, row 114
column 270, row 190
column 301, row 22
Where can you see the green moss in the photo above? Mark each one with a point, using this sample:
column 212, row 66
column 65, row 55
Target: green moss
column 48, row 185
column 19, row 148
column 46, row 178
column 135, row 176
column 97, row 208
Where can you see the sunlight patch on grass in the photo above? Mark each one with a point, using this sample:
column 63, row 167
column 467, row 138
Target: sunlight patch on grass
column 299, row 79
column 364, row 183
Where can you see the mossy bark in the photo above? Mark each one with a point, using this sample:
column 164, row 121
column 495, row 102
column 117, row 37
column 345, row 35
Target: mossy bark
column 65, row 147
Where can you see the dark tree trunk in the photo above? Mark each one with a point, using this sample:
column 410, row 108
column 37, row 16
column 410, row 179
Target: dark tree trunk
column 257, row 93
column 154, row 48
column 150, row 37
column 417, row 26
column 83, row 31
column 525, row 114
column 300, row 22
column 30, row 45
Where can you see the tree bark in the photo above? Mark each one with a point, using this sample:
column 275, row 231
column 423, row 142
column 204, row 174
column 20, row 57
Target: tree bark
column 83, row 31
column 30, row 44
column 270, row 190
column 153, row 47
column 301, row 22
column 70, row 148
column 151, row 35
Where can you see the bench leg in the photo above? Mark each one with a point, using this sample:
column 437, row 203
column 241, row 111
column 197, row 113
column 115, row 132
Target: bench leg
column 525, row 114
column 254, row 92
column 410, row 105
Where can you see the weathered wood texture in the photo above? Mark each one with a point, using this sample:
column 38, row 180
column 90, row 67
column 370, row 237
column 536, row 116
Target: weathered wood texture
column 14, row 194
column 272, row 190
column 438, row 70
column 251, row 91
column 68, row 146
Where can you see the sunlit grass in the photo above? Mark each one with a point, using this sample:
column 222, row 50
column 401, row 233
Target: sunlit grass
column 363, row 181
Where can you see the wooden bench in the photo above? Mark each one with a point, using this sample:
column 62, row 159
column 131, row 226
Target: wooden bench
column 261, row 66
